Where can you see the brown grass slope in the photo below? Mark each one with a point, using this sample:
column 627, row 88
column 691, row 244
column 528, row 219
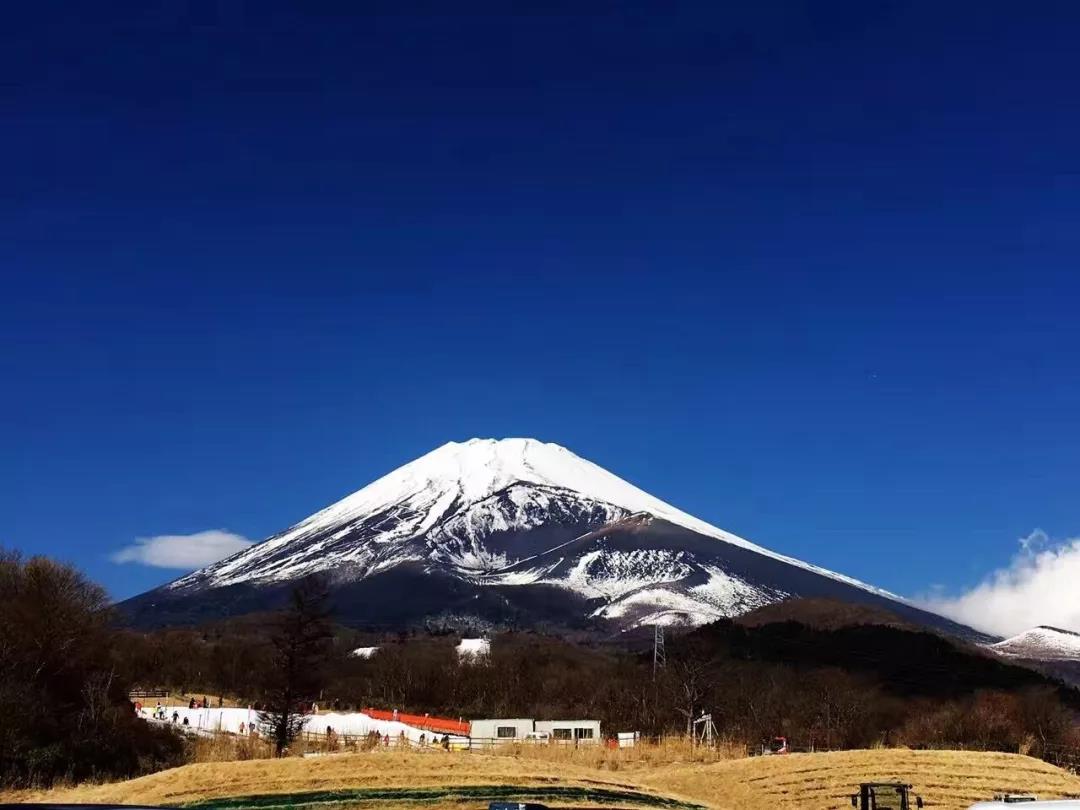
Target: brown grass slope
column 947, row 780
column 367, row 770
column 822, row 614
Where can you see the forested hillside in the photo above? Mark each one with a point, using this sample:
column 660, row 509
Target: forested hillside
column 847, row 685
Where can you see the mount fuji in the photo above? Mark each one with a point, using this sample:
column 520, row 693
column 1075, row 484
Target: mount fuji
column 513, row 532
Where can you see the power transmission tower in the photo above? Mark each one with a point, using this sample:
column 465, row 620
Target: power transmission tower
column 659, row 657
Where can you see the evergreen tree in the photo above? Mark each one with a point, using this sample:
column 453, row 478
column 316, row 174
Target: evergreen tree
column 302, row 642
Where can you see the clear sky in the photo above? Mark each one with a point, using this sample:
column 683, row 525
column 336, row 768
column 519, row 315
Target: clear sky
column 805, row 270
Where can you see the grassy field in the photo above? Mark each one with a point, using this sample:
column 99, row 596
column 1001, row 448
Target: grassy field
column 383, row 769
column 947, row 780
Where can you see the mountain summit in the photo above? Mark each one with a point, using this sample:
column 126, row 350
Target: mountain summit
column 511, row 531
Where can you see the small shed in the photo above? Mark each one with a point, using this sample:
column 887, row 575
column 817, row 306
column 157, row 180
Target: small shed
column 500, row 731
column 576, row 732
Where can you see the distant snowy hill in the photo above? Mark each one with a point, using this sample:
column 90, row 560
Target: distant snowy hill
column 515, row 532
column 1051, row 650
column 1041, row 644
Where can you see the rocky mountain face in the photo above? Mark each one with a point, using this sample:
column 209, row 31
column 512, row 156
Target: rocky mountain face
column 512, row 532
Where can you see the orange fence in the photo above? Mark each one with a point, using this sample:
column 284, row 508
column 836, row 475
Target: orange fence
column 442, row 725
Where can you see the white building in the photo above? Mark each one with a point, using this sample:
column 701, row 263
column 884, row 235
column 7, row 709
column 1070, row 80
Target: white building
column 499, row 731
column 578, row 732
column 573, row 732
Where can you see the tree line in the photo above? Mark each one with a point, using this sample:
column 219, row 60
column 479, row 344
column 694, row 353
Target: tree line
column 66, row 668
column 843, row 687
column 64, row 712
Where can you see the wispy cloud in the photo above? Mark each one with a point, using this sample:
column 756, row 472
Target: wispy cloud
column 1039, row 586
column 185, row 551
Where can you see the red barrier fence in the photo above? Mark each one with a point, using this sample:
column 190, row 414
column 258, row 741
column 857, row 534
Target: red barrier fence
column 442, row 725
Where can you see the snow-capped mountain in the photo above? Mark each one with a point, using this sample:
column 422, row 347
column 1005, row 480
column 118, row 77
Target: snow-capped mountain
column 512, row 531
column 1041, row 644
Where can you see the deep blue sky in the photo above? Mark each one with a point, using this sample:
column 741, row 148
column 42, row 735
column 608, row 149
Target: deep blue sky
column 808, row 271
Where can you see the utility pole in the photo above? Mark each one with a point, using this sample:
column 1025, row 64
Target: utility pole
column 659, row 657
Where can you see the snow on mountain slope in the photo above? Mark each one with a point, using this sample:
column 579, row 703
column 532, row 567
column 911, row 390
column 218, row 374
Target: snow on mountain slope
column 1041, row 644
column 437, row 492
column 503, row 527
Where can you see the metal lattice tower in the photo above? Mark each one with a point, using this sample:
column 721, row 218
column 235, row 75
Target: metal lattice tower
column 659, row 657
column 705, row 730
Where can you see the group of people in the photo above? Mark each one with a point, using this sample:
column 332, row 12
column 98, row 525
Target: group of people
column 434, row 740
column 175, row 716
column 161, row 713
column 376, row 739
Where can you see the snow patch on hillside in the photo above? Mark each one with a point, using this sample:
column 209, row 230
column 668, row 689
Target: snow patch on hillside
column 733, row 595
column 1041, row 643
column 472, row 648
column 610, row 574
column 659, row 606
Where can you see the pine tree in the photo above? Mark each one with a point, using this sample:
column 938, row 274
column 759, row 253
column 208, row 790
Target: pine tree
column 302, row 642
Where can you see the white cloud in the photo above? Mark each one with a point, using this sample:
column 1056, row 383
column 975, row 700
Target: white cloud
column 1039, row 586
column 186, row 551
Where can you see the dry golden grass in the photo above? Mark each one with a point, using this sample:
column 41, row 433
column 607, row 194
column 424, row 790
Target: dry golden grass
column 668, row 751
column 947, row 780
column 389, row 769
column 229, row 748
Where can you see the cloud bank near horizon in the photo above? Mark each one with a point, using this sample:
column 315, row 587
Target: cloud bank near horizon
column 182, row 551
column 1038, row 587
